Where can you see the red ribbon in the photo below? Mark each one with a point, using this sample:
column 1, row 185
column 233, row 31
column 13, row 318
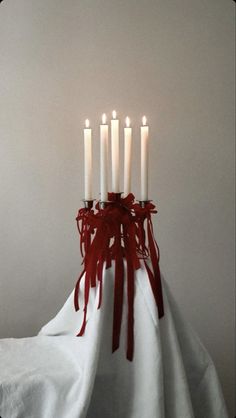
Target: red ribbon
column 116, row 233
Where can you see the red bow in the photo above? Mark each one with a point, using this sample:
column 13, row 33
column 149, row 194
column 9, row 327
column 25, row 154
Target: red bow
column 118, row 232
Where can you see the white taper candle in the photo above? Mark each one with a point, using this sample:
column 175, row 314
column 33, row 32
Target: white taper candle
column 127, row 157
column 115, row 156
column 144, row 159
column 87, row 161
column 104, row 159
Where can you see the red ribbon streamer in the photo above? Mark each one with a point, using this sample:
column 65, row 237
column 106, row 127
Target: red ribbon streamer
column 118, row 233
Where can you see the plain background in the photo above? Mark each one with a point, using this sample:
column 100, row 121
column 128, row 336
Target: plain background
column 64, row 61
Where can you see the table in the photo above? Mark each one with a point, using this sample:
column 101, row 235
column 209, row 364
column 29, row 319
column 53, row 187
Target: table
column 59, row 375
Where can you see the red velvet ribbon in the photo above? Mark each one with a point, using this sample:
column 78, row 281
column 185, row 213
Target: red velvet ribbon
column 118, row 232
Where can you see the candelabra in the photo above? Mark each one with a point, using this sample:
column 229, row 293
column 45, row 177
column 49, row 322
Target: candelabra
column 118, row 230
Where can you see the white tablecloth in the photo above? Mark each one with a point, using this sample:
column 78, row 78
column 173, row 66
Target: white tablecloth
column 59, row 375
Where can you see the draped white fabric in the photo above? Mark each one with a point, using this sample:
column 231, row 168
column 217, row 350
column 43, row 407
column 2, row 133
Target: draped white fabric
column 59, row 375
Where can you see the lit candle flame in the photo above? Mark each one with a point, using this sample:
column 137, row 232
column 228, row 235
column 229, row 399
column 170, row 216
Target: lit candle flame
column 127, row 121
column 104, row 118
column 144, row 120
column 87, row 123
column 114, row 114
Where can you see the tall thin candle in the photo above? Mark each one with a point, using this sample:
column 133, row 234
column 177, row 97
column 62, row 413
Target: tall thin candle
column 115, row 157
column 87, row 161
column 104, row 159
column 127, row 156
column 144, row 159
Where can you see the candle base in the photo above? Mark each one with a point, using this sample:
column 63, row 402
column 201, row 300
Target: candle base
column 144, row 203
column 88, row 204
column 103, row 204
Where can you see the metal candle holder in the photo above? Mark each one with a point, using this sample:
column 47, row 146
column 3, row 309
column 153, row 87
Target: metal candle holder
column 103, row 205
column 88, row 204
column 120, row 232
column 144, row 203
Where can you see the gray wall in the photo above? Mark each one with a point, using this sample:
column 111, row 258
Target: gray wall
column 63, row 61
